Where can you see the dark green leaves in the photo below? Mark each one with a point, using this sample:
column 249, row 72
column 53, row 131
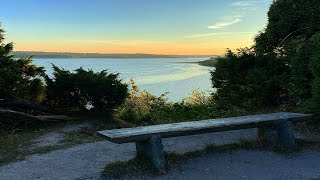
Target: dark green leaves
column 68, row 89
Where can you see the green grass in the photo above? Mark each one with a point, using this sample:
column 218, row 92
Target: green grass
column 15, row 146
column 12, row 144
column 81, row 137
column 134, row 167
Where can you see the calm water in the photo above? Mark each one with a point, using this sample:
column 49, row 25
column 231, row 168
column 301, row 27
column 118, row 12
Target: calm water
column 157, row 75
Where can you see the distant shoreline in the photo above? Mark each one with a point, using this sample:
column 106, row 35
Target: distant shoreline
column 209, row 62
column 67, row 55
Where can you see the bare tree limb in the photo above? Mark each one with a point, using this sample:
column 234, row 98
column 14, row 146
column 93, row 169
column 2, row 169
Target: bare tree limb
column 18, row 117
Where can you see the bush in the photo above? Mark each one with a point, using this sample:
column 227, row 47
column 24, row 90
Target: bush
column 81, row 88
column 143, row 108
column 139, row 104
column 197, row 97
column 313, row 104
column 247, row 81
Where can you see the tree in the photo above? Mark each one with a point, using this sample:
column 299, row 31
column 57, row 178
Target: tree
column 288, row 20
column 21, row 89
column 281, row 68
column 313, row 103
column 19, row 78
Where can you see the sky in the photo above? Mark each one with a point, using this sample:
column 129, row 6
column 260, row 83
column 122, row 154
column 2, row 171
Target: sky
column 182, row 27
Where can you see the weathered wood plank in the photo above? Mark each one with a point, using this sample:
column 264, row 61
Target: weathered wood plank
column 198, row 127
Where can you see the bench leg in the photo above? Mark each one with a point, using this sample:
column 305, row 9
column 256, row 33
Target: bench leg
column 153, row 149
column 283, row 134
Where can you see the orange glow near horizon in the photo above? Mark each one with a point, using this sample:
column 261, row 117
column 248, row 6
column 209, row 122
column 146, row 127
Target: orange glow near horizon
column 136, row 47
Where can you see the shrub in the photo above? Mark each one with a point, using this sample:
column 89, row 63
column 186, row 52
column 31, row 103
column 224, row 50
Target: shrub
column 313, row 104
column 143, row 108
column 138, row 105
column 247, row 81
column 81, row 88
column 197, row 97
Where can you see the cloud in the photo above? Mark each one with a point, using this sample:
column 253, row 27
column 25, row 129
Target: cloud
column 239, row 10
column 246, row 6
column 224, row 24
column 216, row 34
column 245, row 3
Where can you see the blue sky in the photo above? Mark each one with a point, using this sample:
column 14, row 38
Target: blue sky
column 133, row 26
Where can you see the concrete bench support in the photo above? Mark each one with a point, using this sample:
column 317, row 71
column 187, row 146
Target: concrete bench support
column 153, row 149
column 282, row 134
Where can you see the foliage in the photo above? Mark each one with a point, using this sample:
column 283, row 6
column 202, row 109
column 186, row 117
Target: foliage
column 197, row 97
column 247, row 81
column 143, row 108
column 138, row 105
column 281, row 69
column 288, row 20
column 291, row 31
column 313, row 103
column 101, row 90
column 19, row 78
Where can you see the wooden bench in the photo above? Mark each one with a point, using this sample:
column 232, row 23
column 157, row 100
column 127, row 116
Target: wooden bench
column 276, row 127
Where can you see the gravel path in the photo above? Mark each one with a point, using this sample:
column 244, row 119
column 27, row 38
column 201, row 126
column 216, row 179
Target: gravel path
column 243, row 164
column 86, row 161
column 56, row 136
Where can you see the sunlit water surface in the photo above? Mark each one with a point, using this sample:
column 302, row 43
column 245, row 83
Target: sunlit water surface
column 157, row 75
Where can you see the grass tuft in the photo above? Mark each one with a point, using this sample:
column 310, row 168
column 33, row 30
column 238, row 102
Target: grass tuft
column 134, row 167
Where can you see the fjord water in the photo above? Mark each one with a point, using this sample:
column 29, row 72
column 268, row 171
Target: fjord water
column 178, row 76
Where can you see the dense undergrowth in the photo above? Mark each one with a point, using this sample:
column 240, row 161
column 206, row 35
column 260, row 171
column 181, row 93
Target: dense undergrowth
column 143, row 108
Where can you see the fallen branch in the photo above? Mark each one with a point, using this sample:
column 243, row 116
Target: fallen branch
column 21, row 104
column 19, row 117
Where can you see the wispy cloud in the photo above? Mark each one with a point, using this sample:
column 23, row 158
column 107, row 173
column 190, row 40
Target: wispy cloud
column 216, row 34
column 245, row 4
column 239, row 10
column 224, row 24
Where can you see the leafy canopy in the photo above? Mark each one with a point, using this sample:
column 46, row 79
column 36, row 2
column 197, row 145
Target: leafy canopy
column 282, row 68
column 19, row 78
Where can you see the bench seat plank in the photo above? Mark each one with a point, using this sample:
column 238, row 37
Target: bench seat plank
column 199, row 127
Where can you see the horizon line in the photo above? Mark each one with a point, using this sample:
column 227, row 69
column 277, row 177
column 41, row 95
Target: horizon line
column 30, row 51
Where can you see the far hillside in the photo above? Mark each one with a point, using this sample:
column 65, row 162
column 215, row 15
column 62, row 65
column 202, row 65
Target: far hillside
column 210, row 62
column 38, row 54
